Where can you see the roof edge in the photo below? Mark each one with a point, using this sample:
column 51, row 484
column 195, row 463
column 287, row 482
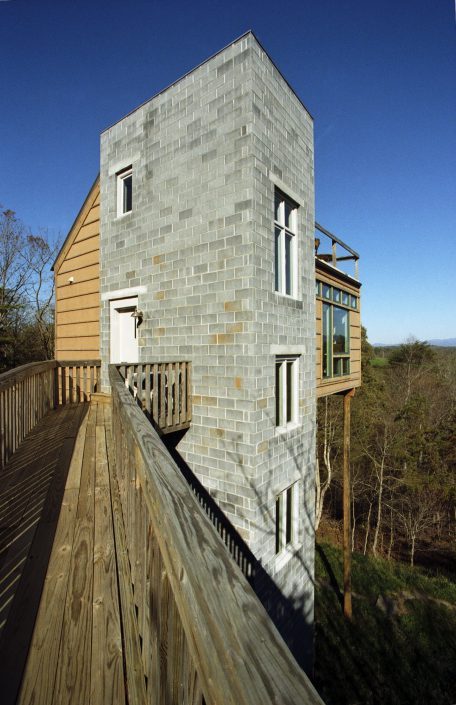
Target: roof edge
column 97, row 180
column 249, row 32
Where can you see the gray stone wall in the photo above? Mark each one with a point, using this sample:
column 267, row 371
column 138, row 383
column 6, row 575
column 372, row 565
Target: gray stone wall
column 207, row 154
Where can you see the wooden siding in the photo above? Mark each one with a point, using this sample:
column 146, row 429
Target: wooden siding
column 77, row 304
column 335, row 385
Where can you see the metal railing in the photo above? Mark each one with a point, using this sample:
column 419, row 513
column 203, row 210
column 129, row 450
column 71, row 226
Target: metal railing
column 333, row 258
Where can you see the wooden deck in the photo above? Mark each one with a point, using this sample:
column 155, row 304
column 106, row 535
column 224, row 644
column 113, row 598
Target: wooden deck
column 115, row 587
column 60, row 606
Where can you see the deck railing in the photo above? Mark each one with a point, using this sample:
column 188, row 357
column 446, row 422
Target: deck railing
column 28, row 392
column 334, row 257
column 198, row 633
column 164, row 391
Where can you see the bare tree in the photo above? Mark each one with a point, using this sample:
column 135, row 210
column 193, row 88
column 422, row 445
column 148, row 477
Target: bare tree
column 329, row 423
column 26, row 292
column 417, row 512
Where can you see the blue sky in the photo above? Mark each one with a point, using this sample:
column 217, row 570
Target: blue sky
column 379, row 78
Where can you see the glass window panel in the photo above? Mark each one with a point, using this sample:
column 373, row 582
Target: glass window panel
column 326, row 340
column 354, row 302
column 288, row 273
column 289, row 390
column 127, row 193
column 318, row 288
column 345, row 298
column 337, row 295
column 277, row 203
column 289, row 517
column 278, row 392
column 326, row 291
column 277, row 260
column 278, row 525
column 340, row 330
column 289, row 215
column 346, row 366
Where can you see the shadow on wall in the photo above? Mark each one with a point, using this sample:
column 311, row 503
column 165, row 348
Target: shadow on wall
column 289, row 614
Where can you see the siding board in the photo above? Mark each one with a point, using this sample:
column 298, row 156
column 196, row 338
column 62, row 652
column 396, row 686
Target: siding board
column 78, row 304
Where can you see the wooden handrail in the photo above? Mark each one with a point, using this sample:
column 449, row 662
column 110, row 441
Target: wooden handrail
column 163, row 390
column 26, row 395
column 204, row 636
column 28, row 392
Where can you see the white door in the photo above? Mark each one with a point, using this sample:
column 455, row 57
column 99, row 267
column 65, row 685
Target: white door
column 124, row 333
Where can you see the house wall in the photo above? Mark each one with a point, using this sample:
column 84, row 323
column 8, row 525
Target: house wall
column 353, row 380
column 198, row 249
column 77, row 303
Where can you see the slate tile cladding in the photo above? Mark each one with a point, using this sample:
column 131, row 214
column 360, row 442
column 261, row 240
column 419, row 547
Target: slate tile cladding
column 207, row 155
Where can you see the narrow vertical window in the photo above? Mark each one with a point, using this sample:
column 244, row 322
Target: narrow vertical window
column 285, row 517
column 125, row 191
column 286, row 389
column 285, row 259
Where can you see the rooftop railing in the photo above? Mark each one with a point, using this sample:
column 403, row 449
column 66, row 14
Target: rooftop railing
column 333, row 257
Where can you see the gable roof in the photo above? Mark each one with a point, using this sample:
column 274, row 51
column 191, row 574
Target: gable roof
column 81, row 216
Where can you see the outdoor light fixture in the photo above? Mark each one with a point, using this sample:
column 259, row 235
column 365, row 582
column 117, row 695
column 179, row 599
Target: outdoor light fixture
column 138, row 315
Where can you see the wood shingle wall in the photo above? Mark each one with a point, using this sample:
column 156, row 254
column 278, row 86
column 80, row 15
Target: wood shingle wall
column 77, row 285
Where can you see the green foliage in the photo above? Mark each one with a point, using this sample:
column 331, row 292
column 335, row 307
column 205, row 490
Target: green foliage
column 379, row 362
column 405, row 656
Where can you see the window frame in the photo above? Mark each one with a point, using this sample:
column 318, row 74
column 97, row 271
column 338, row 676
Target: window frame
column 332, row 297
column 327, row 347
column 286, row 371
column 286, row 520
column 121, row 178
column 285, row 263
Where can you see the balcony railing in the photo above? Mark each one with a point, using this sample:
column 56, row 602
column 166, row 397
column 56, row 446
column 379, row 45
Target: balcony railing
column 163, row 389
column 27, row 393
column 333, row 257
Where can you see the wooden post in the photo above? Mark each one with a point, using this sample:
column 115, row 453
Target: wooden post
column 347, row 507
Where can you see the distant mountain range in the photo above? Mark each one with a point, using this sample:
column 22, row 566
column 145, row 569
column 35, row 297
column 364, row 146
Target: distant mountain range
column 439, row 342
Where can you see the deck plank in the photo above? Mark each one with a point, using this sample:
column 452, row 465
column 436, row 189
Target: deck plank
column 40, row 674
column 107, row 675
column 73, row 670
column 49, row 448
column 135, row 683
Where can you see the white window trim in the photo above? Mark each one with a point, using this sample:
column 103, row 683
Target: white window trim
column 292, row 231
column 120, row 178
column 287, row 550
column 294, row 421
column 123, row 293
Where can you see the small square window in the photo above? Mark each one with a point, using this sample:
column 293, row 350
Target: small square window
column 286, row 390
column 125, row 191
column 285, row 518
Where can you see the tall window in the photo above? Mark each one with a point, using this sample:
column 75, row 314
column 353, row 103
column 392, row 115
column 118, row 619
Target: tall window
column 336, row 306
column 286, row 389
column 285, row 517
column 285, row 224
column 124, row 191
column 336, row 350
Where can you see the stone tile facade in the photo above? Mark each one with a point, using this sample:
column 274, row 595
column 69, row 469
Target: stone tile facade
column 207, row 155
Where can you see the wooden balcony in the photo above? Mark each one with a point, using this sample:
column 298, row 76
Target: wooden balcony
column 338, row 343
column 115, row 586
